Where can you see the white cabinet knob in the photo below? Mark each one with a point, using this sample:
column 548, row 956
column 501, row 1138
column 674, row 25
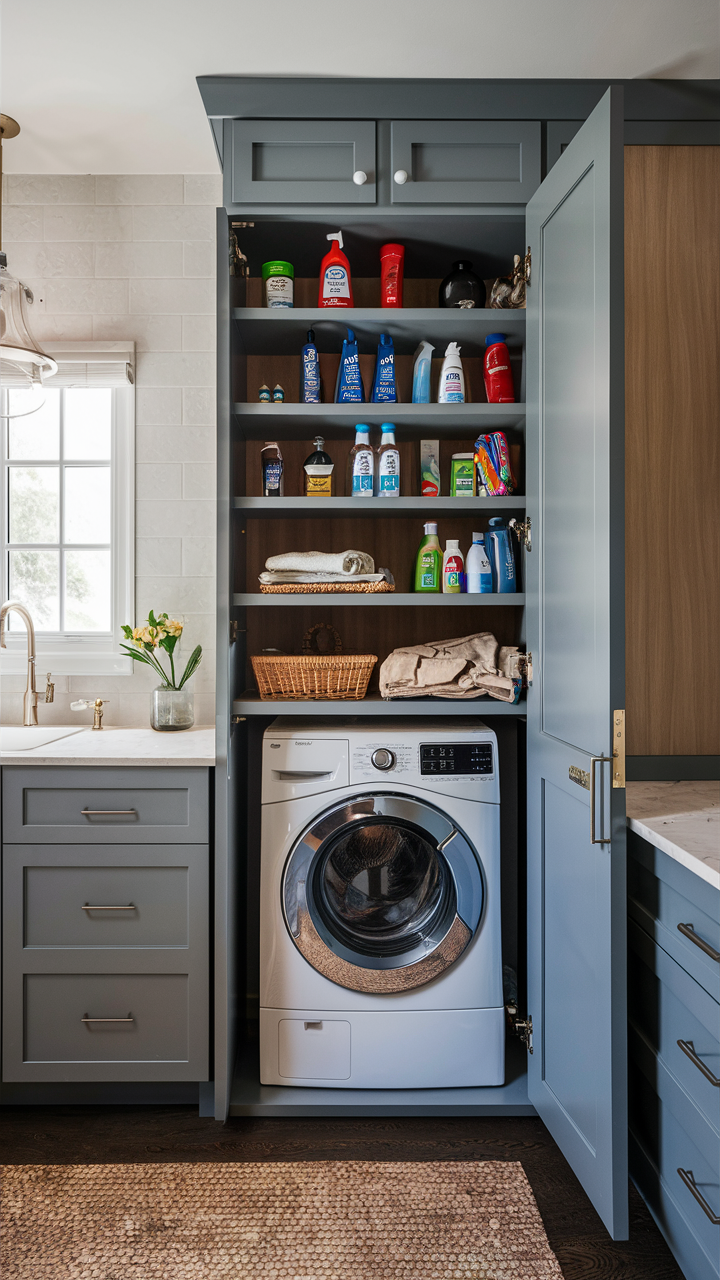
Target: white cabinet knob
column 401, row 177
column 359, row 177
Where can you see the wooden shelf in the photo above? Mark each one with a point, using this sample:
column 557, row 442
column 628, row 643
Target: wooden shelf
column 282, row 331
column 251, row 704
column 412, row 421
column 280, row 508
column 386, row 600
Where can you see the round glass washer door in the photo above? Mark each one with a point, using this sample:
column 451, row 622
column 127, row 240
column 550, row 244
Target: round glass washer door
column 382, row 893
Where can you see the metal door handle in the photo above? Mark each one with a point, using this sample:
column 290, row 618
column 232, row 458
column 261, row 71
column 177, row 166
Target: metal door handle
column 593, row 761
column 688, row 1048
column 89, row 906
column 128, row 1019
column 689, row 1180
column 688, row 931
column 95, row 813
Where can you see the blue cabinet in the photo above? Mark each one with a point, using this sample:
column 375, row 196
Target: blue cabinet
column 674, row 1024
column 457, row 162
column 300, row 162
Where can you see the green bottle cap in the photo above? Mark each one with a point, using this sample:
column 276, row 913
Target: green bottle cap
column 277, row 268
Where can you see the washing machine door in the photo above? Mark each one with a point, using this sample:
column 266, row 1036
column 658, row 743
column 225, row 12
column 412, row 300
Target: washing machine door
column 382, row 893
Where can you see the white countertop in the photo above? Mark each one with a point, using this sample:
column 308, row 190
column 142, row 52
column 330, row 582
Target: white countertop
column 682, row 819
column 139, row 747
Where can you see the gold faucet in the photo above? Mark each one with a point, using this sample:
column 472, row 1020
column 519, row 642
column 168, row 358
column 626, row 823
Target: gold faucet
column 30, row 698
column 95, row 705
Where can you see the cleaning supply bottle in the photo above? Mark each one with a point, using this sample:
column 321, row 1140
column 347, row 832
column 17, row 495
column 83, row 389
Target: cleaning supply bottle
column 361, row 465
column 272, row 464
column 477, row 568
column 310, row 390
column 392, row 264
column 453, row 566
column 428, row 564
column 388, row 464
column 500, row 554
column 384, row 390
column 349, row 388
column 497, row 372
column 421, row 373
column 335, row 282
column 278, row 278
column 318, row 469
column 451, row 389
column 430, row 468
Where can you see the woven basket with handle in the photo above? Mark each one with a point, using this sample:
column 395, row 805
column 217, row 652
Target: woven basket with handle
column 314, row 674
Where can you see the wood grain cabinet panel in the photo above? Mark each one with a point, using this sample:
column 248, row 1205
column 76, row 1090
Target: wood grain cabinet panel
column 672, row 448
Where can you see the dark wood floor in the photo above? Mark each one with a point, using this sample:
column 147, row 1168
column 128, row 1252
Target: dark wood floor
column 114, row 1135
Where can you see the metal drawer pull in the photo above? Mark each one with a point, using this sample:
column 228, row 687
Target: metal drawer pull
column 688, row 1048
column 90, row 907
column 593, row 761
column 689, row 1180
column 688, row 931
column 128, row 1019
column 102, row 813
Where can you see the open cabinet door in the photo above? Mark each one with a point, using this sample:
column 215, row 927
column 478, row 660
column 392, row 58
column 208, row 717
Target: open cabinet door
column 575, row 625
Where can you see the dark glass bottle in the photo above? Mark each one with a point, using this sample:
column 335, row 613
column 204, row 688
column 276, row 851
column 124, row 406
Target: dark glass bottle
column 462, row 288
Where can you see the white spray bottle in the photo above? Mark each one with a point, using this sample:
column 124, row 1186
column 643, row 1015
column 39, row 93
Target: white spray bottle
column 451, row 388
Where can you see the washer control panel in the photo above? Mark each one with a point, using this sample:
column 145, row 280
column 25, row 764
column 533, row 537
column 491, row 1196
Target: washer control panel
column 456, row 758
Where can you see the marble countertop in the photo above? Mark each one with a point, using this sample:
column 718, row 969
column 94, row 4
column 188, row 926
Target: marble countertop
column 682, row 819
column 120, row 747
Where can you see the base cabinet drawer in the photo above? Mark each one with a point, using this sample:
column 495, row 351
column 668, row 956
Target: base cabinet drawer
column 105, row 963
column 678, row 1019
column 660, row 1145
column 105, row 806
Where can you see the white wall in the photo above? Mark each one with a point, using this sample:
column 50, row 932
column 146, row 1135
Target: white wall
column 134, row 257
column 110, row 88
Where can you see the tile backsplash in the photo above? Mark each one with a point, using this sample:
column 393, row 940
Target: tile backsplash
column 133, row 256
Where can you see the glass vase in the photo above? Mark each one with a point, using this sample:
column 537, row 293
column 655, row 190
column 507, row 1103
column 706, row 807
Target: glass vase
column 172, row 709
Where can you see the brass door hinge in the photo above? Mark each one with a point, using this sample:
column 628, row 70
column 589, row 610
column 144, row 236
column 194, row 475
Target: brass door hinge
column 618, row 750
column 523, row 531
column 520, row 1027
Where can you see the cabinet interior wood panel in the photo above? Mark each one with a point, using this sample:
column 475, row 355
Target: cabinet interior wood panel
column 672, row 406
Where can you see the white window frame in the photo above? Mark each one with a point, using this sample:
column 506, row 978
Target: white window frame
column 84, row 653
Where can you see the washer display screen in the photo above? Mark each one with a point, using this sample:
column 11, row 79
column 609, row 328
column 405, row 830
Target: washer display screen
column 457, row 758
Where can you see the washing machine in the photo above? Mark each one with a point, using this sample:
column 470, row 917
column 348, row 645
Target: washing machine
column 380, row 938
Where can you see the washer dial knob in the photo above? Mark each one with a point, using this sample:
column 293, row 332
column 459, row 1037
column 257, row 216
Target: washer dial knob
column 383, row 759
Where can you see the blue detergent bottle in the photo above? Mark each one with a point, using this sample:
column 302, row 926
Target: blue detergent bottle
column 384, row 390
column 500, row 553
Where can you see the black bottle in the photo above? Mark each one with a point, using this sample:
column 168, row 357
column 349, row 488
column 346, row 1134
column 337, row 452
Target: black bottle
column 462, row 288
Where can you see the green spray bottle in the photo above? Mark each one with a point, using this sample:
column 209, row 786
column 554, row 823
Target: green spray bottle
column 428, row 565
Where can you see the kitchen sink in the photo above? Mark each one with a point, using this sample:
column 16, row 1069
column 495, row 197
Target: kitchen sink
column 18, row 737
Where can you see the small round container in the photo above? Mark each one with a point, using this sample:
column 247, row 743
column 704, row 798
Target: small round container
column 278, row 278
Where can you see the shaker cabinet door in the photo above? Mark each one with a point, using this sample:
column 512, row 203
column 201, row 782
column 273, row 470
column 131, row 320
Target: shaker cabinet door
column 465, row 161
column 575, row 630
column 300, row 162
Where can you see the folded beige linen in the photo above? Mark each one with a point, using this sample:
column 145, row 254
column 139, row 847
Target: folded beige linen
column 466, row 667
column 321, row 562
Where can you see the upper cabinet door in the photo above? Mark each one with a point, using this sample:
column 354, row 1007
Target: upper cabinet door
column 465, row 161
column 300, row 162
column 575, row 625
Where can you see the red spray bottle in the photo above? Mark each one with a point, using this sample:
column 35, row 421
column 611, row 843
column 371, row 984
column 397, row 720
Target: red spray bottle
column 498, row 374
column 335, row 283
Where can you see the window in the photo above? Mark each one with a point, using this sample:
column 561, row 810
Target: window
column 67, row 551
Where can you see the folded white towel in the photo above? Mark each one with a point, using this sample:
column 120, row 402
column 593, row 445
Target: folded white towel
column 321, row 562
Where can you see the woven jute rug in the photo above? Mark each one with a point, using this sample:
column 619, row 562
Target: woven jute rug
column 325, row 1220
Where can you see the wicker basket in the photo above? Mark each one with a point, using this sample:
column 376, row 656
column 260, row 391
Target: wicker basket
column 335, row 676
column 331, row 675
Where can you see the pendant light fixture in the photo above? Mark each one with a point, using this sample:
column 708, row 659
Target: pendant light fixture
column 23, row 364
